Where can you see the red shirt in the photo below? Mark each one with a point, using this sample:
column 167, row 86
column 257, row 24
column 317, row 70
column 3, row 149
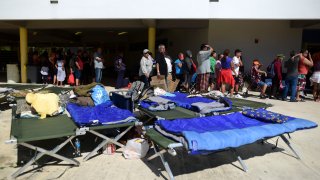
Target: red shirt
column 278, row 68
column 80, row 63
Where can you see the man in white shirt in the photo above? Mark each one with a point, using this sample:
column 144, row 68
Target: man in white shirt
column 235, row 72
column 98, row 64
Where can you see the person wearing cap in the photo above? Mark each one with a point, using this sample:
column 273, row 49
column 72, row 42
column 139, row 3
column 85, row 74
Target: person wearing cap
column 256, row 77
column 236, row 70
column 277, row 78
column 146, row 63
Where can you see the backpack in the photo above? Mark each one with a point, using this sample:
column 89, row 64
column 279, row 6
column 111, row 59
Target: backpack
column 136, row 89
column 270, row 71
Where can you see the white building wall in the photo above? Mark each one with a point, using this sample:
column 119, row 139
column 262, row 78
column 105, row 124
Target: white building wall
column 274, row 37
column 159, row 9
column 181, row 40
column 265, row 9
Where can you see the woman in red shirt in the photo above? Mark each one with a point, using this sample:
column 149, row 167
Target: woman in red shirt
column 79, row 67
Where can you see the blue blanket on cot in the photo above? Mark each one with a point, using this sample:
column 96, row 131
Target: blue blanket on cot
column 214, row 133
column 103, row 114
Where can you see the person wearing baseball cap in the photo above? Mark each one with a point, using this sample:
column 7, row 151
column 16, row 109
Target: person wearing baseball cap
column 145, row 67
column 256, row 73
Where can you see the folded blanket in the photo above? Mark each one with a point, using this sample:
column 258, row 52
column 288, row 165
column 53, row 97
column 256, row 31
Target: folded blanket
column 102, row 114
column 157, row 103
column 220, row 132
column 266, row 116
column 205, row 108
column 183, row 101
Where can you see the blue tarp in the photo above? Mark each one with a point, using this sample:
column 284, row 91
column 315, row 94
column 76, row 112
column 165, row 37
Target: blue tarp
column 220, row 132
column 102, row 114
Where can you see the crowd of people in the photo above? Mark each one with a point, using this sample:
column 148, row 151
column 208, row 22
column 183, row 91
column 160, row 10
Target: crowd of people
column 206, row 71
column 224, row 72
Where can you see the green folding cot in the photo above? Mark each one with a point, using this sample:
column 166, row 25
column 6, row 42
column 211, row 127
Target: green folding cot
column 25, row 131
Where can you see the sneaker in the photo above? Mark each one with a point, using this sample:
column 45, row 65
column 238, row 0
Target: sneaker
column 238, row 96
column 230, row 96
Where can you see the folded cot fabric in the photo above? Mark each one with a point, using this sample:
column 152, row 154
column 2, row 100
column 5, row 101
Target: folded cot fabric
column 157, row 103
column 266, row 116
column 214, row 133
column 103, row 114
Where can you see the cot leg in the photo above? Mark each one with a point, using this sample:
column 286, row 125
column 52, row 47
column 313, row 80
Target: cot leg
column 106, row 140
column 290, row 146
column 42, row 153
column 164, row 162
column 243, row 165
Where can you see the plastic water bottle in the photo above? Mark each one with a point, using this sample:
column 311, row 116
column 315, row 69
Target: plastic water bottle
column 78, row 150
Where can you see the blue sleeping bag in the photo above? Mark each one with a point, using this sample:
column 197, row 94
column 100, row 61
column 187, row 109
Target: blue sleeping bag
column 103, row 114
column 214, row 133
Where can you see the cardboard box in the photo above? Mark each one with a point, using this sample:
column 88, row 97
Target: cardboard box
column 158, row 81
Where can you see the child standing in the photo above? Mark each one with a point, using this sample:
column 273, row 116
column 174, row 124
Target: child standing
column 44, row 73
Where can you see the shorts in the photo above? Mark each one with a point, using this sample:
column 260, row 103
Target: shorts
column 261, row 83
column 77, row 73
column 301, row 82
column 226, row 77
column 212, row 78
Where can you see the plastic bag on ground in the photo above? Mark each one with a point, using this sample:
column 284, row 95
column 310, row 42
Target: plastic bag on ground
column 136, row 148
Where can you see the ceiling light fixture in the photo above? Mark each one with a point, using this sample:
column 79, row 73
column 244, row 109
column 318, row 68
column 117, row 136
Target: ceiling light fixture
column 54, row 1
column 78, row 33
column 122, row 33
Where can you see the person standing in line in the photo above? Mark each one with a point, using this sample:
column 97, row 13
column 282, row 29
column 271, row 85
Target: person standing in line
column 217, row 71
column 315, row 78
column 78, row 67
column 277, row 76
column 212, row 79
column 179, row 70
column 61, row 73
column 120, row 67
column 98, row 65
column 291, row 80
column 161, row 63
column 203, row 69
column 305, row 62
column 145, row 70
column 226, row 78
column 189, row 70
column 236, row 60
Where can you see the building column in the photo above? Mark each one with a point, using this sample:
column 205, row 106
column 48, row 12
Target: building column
column 152, row 39
column 23, row 53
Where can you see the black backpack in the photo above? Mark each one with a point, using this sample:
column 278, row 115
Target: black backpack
column 270, row 71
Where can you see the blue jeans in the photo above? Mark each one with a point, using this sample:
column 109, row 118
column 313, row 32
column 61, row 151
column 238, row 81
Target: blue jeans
column 291, row 82
column 98, row 72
